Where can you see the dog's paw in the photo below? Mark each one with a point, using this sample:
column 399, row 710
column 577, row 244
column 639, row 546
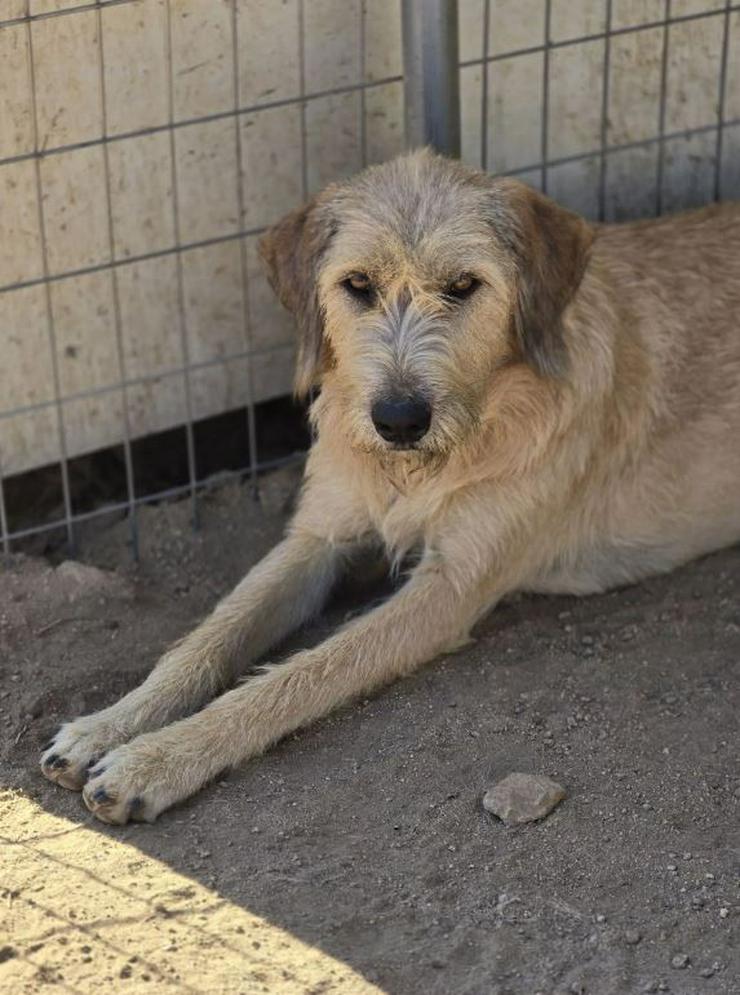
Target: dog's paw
column 76, row 748
column 130, row 783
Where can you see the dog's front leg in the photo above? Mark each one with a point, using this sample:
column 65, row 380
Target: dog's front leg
column 429, row 615
column 276, row 596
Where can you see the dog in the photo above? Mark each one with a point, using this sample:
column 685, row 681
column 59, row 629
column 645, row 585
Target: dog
column 508, row 398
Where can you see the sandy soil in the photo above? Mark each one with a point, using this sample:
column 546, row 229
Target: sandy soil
column 356, row 856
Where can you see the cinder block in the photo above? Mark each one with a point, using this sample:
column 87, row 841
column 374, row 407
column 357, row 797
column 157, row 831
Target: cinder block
column 272, row 174
column 685, row 8
column 636, row 61
column 631, row 183
column 471, row 114
column 689, row 171
column 272, row 373
column 14, row 8
column 576, row 185
column 730, row 169
column 224, row 386
column 20, row 239
column 26, row 371
column 48, row 6
column 577, row 18
column 214, row 301
column 75, row 209
column 141, row 194
column 515, row 112
column 150, row 317
column 85, row 332
column 94, row 422
column 202, row 58
column 470, row 18
column 207, row 179
column 66, row 65
column 576, row 81
column 332, row 44
column 268, row 47
column 692, row 84
column 270, row 324
column 384, row 134
column 383, row 40
column 514, row 25
column 732, row 83
column 157, row 404
column 29, row 440
column 333, row 138
column 16, row 124
column 136, row 69
column 630, row 13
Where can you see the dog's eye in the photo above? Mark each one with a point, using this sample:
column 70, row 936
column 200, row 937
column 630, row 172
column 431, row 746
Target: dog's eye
column 359, row 285
column 463, row 286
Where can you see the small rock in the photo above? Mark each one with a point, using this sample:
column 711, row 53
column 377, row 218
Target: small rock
column 707, row 972
column 632, row 937
column 680, row 961
column 523, row 798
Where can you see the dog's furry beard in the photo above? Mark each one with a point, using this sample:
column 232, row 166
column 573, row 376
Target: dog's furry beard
column 406, row 350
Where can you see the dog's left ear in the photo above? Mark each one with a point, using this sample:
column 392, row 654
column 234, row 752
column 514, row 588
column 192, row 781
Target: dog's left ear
column 292, row 250
column 550, row 246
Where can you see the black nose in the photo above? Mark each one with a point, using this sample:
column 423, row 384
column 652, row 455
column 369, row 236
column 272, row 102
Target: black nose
column 402, row 420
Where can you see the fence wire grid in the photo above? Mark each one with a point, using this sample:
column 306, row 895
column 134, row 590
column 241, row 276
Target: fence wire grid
column 145, row 144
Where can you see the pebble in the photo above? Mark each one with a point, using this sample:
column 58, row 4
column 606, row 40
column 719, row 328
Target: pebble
column 632, row 937
column 680, row 961
column 523, row 798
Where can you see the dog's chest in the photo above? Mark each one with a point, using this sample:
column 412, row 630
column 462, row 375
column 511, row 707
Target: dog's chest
column 403, row 520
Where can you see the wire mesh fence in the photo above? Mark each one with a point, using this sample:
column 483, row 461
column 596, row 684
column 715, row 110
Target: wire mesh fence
column 145, row 144
column 618, row 108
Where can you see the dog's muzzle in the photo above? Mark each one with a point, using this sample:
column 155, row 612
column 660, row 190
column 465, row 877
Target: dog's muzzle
column 401, row 421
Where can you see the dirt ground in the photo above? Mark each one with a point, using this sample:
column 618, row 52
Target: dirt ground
column 356, row 856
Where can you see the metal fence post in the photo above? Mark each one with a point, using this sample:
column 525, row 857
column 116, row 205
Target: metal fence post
column 431, row 75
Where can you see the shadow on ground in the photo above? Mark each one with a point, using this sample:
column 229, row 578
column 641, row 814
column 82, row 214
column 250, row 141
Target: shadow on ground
column 356, row 857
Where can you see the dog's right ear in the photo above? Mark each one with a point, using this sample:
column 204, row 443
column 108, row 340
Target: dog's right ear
column 292, row 250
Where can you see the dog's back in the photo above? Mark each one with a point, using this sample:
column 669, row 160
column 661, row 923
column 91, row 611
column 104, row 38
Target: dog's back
column 675, row 282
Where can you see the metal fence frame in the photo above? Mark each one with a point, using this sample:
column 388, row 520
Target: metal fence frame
column 431, row 67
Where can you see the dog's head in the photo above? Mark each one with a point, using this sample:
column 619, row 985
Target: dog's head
column 414, row 285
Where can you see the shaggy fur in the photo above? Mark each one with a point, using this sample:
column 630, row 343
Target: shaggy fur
column 585, row 400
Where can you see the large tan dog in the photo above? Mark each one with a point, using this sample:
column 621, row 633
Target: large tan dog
column 522, row 400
